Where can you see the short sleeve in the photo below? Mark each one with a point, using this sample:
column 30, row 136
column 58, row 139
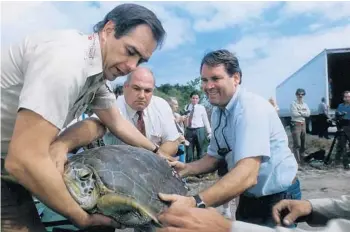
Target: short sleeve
column 52, row 82
column 104, row 98
column 252, row 129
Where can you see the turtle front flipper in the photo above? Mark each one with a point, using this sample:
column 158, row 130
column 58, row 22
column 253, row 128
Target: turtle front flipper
column 125, row 210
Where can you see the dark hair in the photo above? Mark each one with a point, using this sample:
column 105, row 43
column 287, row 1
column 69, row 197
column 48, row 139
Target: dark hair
column 224, row 57
column 194, row 93
column 128, row 16
column 300, row 91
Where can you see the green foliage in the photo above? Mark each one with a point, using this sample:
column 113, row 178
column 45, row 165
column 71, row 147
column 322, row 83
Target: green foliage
column 180, row 92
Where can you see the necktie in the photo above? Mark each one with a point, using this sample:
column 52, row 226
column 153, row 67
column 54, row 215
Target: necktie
column 190, row 118
column 141, row 123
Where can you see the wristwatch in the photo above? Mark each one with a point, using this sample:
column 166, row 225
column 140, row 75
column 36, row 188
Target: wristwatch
column 199, row 202
column 155, row 149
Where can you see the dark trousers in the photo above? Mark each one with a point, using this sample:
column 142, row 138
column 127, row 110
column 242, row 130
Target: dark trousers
column 18, row 211
column 196, row 138
column 342, row 147
column 322, row 125
column 258, row 210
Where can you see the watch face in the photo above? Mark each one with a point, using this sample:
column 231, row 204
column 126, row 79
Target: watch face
column 201, row 205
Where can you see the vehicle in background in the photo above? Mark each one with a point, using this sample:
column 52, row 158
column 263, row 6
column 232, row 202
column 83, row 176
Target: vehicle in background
column 326, row 75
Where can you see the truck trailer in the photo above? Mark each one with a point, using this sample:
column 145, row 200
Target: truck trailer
column 327, row 76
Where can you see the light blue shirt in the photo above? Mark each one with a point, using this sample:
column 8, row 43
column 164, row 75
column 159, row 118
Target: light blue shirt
column 344, row 109
column 254, row 129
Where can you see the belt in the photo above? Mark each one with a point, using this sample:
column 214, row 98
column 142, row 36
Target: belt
column 299, row 123
column 193, row 128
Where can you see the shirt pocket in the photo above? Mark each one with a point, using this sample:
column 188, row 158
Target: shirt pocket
column 156, row 138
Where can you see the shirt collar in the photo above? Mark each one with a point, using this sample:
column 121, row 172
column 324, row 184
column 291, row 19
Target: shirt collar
column 233, row 102
column 93, row 56
column 131, row 111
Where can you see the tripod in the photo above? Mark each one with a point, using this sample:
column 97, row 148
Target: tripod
column 340, row 132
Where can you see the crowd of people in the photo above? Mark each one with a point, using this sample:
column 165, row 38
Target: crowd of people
column 44, row 90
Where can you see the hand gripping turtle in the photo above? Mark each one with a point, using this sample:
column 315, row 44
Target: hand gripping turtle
column 122, row 182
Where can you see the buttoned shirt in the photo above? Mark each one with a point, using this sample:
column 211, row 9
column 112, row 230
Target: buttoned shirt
column 323, row 109
column 200, row 117
column 56, row 74
column 251, row 128
column 158, row 117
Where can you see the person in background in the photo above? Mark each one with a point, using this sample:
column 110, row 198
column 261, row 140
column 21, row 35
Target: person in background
column 197, row 128
column 180, row 125
column 323, row 118
column 332, row 213
column 48, row 80
column 261, row 168
column 151, row 115
column 344, row 108
column 299, row 111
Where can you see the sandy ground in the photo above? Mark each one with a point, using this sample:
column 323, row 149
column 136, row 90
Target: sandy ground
column 315, row 183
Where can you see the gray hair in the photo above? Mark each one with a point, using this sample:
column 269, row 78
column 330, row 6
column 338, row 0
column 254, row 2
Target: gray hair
column 127, row 17
column 172, row 100
column 224, row 57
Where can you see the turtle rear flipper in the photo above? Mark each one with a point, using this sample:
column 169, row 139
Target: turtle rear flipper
column 125, row 210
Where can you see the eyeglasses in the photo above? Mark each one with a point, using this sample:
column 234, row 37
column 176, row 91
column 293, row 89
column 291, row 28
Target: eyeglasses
column 222, row 151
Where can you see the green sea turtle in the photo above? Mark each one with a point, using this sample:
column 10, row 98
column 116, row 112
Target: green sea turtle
column 122, row 182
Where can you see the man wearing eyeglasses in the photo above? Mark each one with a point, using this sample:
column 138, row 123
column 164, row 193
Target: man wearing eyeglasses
column 249, row 136
column 299, row 111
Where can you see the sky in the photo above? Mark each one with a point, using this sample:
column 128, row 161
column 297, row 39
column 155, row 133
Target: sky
column 272, row 40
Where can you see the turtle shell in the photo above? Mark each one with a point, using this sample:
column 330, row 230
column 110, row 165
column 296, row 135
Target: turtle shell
column 133, row 172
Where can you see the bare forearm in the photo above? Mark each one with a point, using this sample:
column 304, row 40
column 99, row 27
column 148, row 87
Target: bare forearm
column 205, row 165
column 39, row 175
column 169, row 148
column 229, row 186
column 81, row 133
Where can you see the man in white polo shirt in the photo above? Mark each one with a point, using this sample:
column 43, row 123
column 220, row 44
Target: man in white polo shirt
column 152, row 115
column 48, row 80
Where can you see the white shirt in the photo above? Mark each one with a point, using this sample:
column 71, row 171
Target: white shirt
column 200, row 117
column 56, row 74
column 158, row 117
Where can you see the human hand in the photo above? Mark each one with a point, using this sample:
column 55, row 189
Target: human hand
column 166, row 157
column 58, row 153
column 177, row 200
column 209, row 136
column 96, row 220
column 295, row 209
column 178, row 219
column 180, row 167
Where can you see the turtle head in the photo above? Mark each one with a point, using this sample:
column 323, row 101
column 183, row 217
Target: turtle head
column 82, row 184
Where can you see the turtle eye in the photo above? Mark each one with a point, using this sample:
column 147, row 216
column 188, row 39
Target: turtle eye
column 84, row 175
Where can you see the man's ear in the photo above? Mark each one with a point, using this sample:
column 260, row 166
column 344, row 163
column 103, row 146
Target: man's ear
column 109, row 27
column 236, row 78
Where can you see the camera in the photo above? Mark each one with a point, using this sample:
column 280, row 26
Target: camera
column 339, row 119
column 182, row 113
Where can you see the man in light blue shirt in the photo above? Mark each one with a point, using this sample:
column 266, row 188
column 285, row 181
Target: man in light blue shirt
column 249, row 135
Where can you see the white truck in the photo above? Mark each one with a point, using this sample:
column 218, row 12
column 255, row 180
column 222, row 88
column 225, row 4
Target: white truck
column 326, row 75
